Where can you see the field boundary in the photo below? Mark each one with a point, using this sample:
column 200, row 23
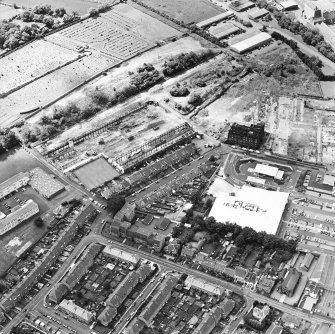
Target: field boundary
column 11, row 91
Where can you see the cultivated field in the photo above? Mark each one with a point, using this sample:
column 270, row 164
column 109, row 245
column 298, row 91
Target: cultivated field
column 122, row 32
column 51, row 86
column 30, row 62
column 183, row 10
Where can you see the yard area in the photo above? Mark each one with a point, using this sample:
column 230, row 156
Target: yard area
column 181, row 10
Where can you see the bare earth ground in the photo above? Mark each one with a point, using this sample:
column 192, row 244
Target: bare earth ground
column 328, row 89
column 184, row 10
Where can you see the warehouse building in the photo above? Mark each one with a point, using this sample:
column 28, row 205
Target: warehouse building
column 14, row 183
column 257, row 208
column 257, row 14
column 224, row 30
column 241, row 5
column 288, row 5
column 18, row 216
column 290, row 282
column 251, row 43
column 215, row 19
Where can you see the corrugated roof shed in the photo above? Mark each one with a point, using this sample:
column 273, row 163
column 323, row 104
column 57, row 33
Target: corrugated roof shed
column 251, row 42
column 215, row 19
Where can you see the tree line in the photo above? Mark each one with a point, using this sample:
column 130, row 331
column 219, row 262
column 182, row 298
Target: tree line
column 8, row 140
column 313, row 62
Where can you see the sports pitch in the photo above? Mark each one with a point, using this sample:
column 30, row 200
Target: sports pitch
column 96, row 173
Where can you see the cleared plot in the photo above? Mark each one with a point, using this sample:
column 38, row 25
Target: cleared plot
column 328, row 88
column 184, row 10
column 30, row 62
column 96, row 173
column 51, row 86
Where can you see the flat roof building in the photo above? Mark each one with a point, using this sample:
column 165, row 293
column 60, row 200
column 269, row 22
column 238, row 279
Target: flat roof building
column 258, row 13
column 120, row 254
column 241, row 5
column 267, row 170
column 257, row 208
column 18, row 216
column 202, row 285
column 14, row 183
column 307, row 261
column 215, row 19
column 289, row 5
column 252, row 42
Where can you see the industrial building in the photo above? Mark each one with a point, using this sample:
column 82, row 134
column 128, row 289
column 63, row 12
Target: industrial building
column 224, row 30
column 18, row 216
column 321, row 184
column 289, row 5
column 257, row 14
column 290, row 282
column 257, row 208
column 270, row 171
column 241, row 5
column 14, row 183
column 246, row 136
column 251, row 42
column 215, row 19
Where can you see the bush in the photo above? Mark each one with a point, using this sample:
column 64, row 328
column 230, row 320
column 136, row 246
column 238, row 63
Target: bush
column 195, row 100
column 179, row 91
column 93, row 12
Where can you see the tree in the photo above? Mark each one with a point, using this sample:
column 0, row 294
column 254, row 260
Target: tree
column 48, row 21
column 93, row 12
column 39, row 222
column 115, row 203
column 195, row 100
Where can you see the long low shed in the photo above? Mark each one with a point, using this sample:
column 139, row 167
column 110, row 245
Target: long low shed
column 215, row 19
column 251, row 42
column 223, row 30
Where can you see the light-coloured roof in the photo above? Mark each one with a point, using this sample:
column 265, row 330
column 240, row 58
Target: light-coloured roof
column 120, row 254
column 266, row 170
column 215, row 19
column 251, row 42
column 81, row 313
column 13, row 179
column 329, row 179
column 255, row 180
column 288, row 4
column 257, row 208
column 309, row 303
column 258, row 13
column 200, row 284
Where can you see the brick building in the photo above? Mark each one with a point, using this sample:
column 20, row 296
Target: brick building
column 246, row 136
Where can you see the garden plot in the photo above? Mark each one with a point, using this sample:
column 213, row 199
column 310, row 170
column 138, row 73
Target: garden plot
column 113, row 37
column 51, row 86
column 31, row 62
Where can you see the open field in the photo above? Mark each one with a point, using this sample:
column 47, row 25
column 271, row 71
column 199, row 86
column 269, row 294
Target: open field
column 183, row 10
column 328, row 89
column 80, row 6
column 25, row 64
column 7, row 12
column 51, row 86
column 96, row 173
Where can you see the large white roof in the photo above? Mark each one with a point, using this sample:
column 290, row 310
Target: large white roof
column 254, row 207
column 120, row 254
column 251, row 42
column 269, row 170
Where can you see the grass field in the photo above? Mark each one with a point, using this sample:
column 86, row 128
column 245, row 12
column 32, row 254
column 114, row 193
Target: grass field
column 96, row 173
column 184, row 10
column 80, row 6
column 25, row 64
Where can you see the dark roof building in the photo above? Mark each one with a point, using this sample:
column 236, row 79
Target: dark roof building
column 158, row 300
column 163, row 223
column 290, row 282
column 246, row 136
column 148, row 219
column 58, row 293
column 209, row 321
column 135, row 327
column 307, row 261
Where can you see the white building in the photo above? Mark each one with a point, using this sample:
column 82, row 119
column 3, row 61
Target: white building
column 271, row 171
column 14, row 183
column 251, row 43
column 120, row 254
column 76, row 311
column 21, row 214
column 202, row 285
column 257, row 208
